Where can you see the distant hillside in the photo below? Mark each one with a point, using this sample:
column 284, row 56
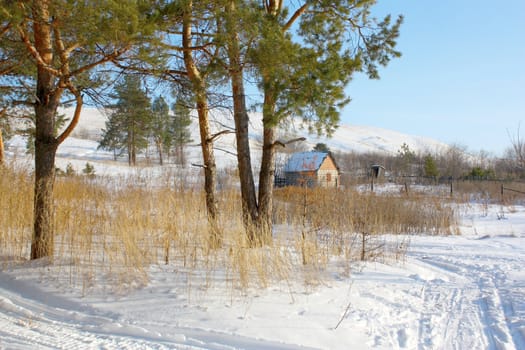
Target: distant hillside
column 82, row 146
column 347, row 138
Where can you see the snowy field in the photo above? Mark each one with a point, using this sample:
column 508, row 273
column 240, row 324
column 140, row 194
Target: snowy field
column 456, row 292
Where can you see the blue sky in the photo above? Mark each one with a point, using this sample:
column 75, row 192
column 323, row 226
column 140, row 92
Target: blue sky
column 461, row 77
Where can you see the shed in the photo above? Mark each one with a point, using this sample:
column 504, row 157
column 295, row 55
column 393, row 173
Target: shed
column 377, row 170
column 312, row 169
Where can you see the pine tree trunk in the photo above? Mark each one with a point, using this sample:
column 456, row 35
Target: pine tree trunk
column 159, row 150
column 241, row 118
column 199, row 90
column 47, row 98
column 210, row 171
column 43, row 235
column 267, row 172
column 2, row 152
column 46, row 146
column 182, row 156
column 249, row 200
column 129, row 151
column 266, row 184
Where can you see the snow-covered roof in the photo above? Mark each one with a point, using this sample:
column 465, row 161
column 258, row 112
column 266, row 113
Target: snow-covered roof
column 305, row 161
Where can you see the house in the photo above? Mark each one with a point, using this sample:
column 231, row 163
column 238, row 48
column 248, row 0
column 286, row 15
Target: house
column 312, row 169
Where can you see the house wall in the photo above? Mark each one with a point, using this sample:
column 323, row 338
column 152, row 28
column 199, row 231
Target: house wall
column 328, row 164
column 328, row 175
column 308, row 178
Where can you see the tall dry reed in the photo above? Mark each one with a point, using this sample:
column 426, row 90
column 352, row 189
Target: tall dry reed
column 116, row 229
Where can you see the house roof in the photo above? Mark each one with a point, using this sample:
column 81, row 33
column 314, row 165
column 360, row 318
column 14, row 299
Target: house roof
column 305, row 161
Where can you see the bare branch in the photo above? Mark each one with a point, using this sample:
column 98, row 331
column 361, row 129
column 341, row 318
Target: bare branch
column 294, row 17
column 34, row 53
column 220, row 133
column 198, row 165
column 283, row 144
column 107, row 58
column 5, row 28
column 76, row 114
column 225, row 151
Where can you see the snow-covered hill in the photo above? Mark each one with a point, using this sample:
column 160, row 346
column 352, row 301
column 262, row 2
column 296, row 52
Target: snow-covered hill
column 82, row 145
column 347, row 138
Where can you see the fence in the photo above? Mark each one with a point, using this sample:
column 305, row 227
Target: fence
column 500, row 190
column 503, row 189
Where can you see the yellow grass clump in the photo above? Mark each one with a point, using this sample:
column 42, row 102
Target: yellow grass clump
column 117, row 229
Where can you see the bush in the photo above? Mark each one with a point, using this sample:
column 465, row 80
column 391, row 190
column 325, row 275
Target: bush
column 89, row 170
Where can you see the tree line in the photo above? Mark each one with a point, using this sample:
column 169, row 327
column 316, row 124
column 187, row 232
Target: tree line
column 134, row 120
column 454, row 162
column 300, row 55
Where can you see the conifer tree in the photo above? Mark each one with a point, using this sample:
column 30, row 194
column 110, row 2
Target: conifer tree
column 53, row 47
column 430, row 167
column 130, row 119
column 199, row 46
column 181, row 129
column 160, row 127
column 301, row 73
column 321, row 147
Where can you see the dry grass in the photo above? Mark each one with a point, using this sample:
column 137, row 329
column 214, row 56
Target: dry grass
column 358, row 226
column 119, row 231
column 490, row 191
column 350, row 210
column 16, row 212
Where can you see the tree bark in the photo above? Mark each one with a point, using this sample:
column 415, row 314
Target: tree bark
column 2, row 152
column 199, row 89
column 42, row 244
column 46, row 144
column 267, row 171
column 249, row 200
column 241, row 118
column 159, row 151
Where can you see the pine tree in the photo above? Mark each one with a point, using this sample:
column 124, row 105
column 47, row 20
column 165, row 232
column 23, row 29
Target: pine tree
column 52, row 49
column 430, row 167
column 406, row 158
column 321, row 147
column 113, row 136
column 160, row 127
column 190, row 49
column 181, row 129
column 304, row 55
column 129, row 123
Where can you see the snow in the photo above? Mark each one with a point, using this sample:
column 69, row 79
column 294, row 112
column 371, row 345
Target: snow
column 450, row 292
column 455, row 292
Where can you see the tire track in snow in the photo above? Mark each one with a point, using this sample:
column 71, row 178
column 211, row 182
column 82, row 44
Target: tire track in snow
column 31, row 318
column 27, row 324
column 448, row 321
column 475, row 305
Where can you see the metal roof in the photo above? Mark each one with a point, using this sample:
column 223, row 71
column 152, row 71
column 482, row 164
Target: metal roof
column 305, row 161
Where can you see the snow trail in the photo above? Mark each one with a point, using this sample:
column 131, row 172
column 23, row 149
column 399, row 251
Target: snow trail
column 477, row 303
column 32, row 318
column 457, row 292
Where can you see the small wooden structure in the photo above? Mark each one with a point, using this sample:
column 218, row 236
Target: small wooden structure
column 312, row 169
column 376, row 171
